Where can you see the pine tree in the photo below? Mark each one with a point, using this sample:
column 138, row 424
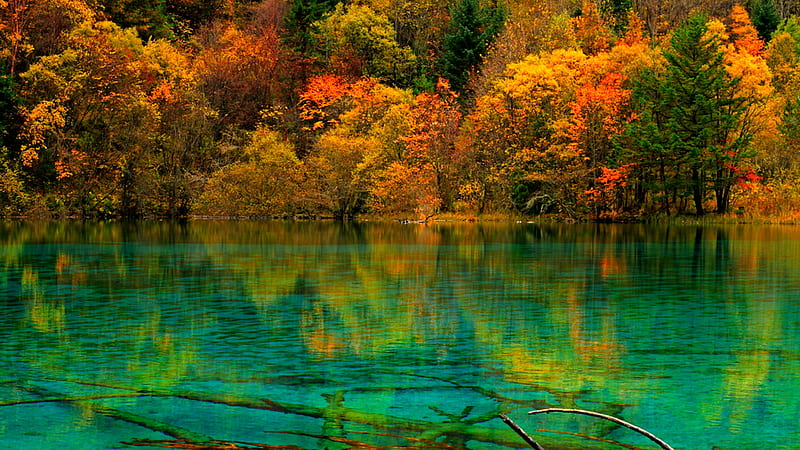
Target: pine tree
column 9, row 117
column 688, row 127
column 473, row 26
column 300, row 21
column 765, row 18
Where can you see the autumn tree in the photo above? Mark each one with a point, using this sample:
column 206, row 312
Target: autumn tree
column 166, row 177
column 591, row 30
column 530, row 29
column 263, row 181
column 435, row 119
column 358, row 127
column 516, row 139
column 243, row 71
column 687, row 133
column 107, row 114
column 743, row 34
column 14, row 20
column 599, row 112
column 358, row 41
column 473, row 26
column 30, row 29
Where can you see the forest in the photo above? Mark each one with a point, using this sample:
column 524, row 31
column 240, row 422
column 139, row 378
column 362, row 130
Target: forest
column 611, row 110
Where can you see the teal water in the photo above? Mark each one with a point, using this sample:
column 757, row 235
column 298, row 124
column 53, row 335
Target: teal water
column 325, row 335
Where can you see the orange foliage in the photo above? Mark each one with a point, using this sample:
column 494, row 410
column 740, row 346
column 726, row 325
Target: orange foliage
column 320, row 96
column 435, row 120
column 742, row 32
column 609, row 187
column 590, row 30
column 598, row 112
column 241, row 71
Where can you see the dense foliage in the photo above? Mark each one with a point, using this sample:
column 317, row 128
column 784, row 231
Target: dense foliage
column 607, row 110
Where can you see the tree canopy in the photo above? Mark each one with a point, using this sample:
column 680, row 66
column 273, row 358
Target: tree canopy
column 589, row 109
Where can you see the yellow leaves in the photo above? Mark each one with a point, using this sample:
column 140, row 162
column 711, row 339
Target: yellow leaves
column 270, row 147
column 29, row 156
column 550, row 72
column 716, row 29
column 755, row 75
column 70, row 164
column 43, row 123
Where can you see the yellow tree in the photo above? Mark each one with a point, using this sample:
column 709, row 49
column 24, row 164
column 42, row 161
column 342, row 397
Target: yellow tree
column 358, row 126
column 31, row 28
column 263, row 182
column 111, row 120
column 357, row 41
column 82, row 104
column 518, row 133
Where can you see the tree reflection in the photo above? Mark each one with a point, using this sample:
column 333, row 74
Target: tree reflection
column 585, row 313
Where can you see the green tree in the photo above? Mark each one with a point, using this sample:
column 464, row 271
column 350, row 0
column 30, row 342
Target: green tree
column 765, row 17
column 615, row 13
column 9, row 102
column 473, row 26
column 300, row 22
column 149, row 17
column 687, row 140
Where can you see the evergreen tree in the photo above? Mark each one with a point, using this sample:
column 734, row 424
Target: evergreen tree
column 765, row 18
column 687, row 134
column 300, row 21
column 473, row 26
column 615, row 13
column 149, row 17
column 9, row 117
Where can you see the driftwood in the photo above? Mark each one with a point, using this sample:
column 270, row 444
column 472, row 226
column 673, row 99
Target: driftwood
column 631, row 426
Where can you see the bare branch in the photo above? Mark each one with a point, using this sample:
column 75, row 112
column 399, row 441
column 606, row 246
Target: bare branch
column 525, row 437
column 633, row 427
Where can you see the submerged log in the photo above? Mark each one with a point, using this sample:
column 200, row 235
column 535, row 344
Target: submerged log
column 125, row 416
column 335, row 412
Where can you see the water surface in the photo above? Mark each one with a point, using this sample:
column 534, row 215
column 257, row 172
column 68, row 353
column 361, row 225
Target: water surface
column 322, row 335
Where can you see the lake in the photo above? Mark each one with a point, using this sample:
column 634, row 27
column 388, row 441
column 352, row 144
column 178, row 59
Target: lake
column 358, row 335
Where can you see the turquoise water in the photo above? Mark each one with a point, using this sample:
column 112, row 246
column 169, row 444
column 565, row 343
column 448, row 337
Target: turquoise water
column 325, row 335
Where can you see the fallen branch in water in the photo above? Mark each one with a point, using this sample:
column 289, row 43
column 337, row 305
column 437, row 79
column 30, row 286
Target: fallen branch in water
column 535, row 445
column 633, row 427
